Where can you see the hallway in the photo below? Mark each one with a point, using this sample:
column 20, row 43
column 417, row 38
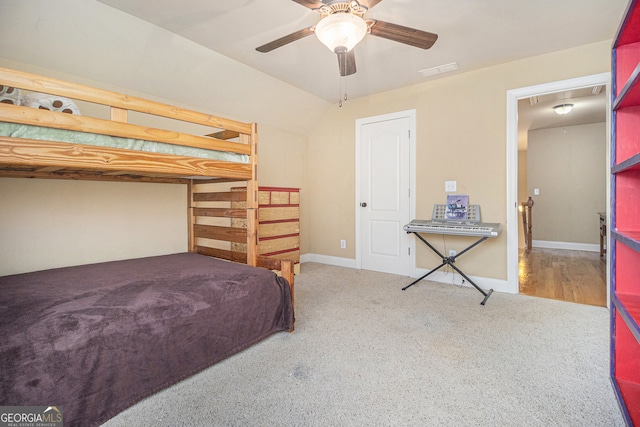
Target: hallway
column 573, row 276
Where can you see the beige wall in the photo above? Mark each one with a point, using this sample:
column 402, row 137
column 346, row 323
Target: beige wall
column 282, row 162
column 460, row 118
column 109, row 49
column 53, row 223
column 568, row 166
column 461, row 135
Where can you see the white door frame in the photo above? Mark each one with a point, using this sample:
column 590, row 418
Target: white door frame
column 411, row 114
column 512, row 160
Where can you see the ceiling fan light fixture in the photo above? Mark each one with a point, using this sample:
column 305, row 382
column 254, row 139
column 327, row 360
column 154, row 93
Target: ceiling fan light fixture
column 341, row 30
column 563, row 109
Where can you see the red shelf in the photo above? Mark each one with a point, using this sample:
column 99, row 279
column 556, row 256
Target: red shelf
column 627, row 352
column 629, row 238
column 626, row 368
column 626, row 134
column 629, row 95
column 630, row 392
column 625, row 215
column 626, row 66
column 627, row 200
column 629, row 165
column 628, row 306
column 629, row 30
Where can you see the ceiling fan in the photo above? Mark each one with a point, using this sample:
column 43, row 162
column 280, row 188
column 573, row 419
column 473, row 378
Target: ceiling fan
column 343, row 26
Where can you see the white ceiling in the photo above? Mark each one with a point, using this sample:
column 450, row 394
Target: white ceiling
column 473, row 33
column 589, row 106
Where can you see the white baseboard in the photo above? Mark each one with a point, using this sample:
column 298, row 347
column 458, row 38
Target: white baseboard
column 587, row 247
column 439, row 276
column 452, row 278
column 329, row 260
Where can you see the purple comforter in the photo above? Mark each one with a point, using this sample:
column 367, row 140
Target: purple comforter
column 95, row 339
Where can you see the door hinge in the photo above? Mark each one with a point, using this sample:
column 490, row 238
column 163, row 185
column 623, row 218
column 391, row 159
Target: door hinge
column 409, row 251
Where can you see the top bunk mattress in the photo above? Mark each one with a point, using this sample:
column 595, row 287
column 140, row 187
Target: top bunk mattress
column 15, row 130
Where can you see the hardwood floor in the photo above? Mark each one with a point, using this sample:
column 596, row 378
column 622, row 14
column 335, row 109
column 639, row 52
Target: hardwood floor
column 573, row 276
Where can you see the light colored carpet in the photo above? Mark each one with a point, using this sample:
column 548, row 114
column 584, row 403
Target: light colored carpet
column 366, row 353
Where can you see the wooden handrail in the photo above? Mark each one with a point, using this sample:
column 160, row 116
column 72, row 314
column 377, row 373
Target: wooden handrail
column 527, row 221
column 31, row 116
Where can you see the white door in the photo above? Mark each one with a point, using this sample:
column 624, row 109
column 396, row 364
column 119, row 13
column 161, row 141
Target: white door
column 385, row 179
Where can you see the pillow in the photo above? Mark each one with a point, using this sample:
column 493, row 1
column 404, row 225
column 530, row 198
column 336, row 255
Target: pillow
column 9, row 95
column 50, row 102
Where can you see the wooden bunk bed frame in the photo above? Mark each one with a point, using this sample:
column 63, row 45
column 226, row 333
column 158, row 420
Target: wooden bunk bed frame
column 34, row 158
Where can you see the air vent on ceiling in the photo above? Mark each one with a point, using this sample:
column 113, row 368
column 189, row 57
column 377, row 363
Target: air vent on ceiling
column 447, row 68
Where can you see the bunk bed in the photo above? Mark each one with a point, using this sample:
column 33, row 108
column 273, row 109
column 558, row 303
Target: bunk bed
column 95, row 339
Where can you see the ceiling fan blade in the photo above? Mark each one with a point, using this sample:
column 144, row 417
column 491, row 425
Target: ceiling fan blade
column 311, row 4
column 369, row 3
column 285, row 40
column 346, row 62
column 399, row 33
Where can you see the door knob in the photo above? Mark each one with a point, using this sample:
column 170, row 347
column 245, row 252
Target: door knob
column 363, row 204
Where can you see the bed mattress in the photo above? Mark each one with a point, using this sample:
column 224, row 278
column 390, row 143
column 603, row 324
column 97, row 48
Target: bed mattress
column 73, row 137
column 95, row 339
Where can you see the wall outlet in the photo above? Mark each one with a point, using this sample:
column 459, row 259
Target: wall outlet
column 450, row 186
column 343, row 244
column 452, row 252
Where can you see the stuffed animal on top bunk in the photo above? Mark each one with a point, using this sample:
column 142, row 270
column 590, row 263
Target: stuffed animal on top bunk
column 9, row 95
column 43, row 101
column 50, row 102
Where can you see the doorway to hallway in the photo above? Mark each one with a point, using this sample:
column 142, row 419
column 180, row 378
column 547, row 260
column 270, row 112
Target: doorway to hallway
column 513, row 215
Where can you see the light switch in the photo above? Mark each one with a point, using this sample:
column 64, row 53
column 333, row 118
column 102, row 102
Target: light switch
column 536, row 191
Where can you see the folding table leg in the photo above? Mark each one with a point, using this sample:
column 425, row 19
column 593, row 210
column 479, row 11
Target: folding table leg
column 450, row 261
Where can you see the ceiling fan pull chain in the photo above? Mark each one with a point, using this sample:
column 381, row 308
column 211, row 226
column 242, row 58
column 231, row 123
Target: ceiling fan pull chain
column 345, row 85
column 340, row 94
column 343, row 79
